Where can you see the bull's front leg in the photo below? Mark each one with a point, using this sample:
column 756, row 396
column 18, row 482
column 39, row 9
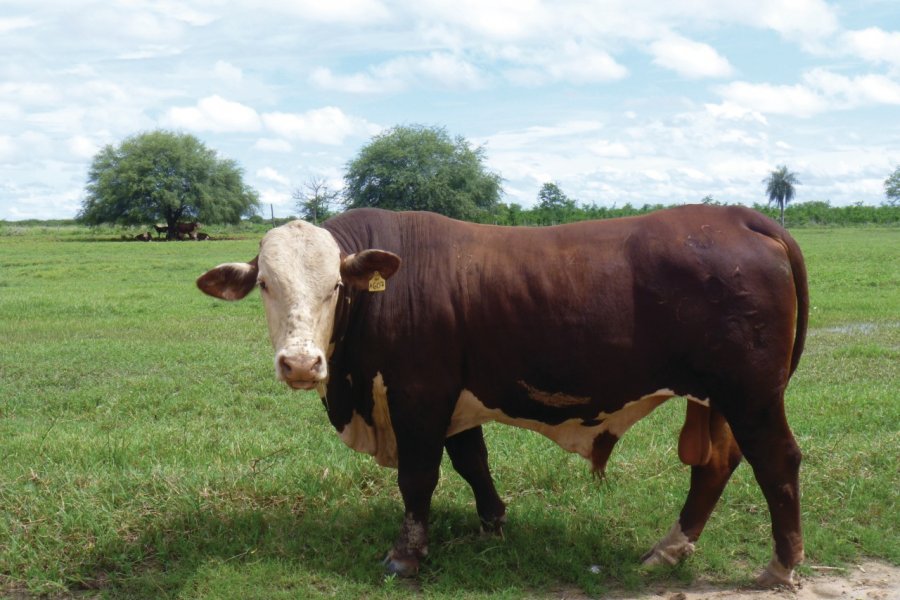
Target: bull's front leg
column 420, row 446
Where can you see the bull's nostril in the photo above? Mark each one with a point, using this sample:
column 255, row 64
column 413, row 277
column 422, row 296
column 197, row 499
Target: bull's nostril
column 285, row 367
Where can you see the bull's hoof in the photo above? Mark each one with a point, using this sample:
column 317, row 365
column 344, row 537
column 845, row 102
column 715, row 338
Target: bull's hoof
column 669, row 550
column 657, row 556
column 401, row 566
column 493, row 526
column 776, row 575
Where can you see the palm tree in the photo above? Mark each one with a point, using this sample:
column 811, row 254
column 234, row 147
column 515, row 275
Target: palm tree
column 780, row 187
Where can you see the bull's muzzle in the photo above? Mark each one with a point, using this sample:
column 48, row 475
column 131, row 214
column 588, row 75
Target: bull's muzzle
column 301, row 371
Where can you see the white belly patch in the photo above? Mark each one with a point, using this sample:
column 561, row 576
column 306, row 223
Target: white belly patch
column 571, row 435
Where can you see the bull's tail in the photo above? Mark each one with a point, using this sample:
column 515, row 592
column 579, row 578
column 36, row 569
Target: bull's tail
column 761, row 224
column 798, row 268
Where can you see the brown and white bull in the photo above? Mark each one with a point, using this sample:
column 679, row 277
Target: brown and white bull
column 576, row 331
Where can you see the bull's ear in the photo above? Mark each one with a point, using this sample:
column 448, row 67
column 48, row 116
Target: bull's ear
column 231, row 281
column 358, row 269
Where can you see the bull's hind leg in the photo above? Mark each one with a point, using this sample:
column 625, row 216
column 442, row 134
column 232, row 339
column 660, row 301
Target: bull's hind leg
column 469, row 456
column 769, row 446
column 707, row 482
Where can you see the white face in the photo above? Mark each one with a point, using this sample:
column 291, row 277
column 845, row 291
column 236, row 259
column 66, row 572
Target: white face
column 299, row 278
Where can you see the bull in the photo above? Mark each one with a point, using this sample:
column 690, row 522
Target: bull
column 575, row 331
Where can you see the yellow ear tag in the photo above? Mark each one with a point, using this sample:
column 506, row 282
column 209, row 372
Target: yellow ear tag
column 377, row 283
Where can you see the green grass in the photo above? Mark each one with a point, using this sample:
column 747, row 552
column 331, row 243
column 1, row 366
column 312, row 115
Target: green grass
column 147, row 450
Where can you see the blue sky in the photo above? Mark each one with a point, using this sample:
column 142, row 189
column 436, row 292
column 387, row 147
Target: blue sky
column 616, row 101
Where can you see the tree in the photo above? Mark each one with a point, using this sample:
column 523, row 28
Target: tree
column 551, row 197
column 164, row 176
column 422, row 168
column 554, row 206
column 892, row 188
column 780, row 188
column 315, row 201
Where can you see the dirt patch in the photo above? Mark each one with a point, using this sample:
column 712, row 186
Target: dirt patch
column 870, row 580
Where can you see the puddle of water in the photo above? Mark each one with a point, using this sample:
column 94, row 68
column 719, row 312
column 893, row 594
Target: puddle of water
column 855, row 328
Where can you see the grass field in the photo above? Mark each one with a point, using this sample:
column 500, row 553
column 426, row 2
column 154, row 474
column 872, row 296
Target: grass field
column 147, row 450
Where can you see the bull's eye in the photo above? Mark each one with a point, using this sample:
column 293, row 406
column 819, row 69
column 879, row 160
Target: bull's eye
column 262, row 285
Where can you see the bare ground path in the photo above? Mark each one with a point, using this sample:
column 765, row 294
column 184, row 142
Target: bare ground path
column 869, row 580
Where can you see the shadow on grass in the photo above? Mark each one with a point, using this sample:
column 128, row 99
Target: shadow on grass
column 340, row 548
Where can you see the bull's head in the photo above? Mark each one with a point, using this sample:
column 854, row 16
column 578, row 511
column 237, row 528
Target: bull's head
column 300, row 272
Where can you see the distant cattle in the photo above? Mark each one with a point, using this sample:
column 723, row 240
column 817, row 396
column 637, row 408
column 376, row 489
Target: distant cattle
column 160, row 229
column 144, row 237
column 202, row 236
column 576, row 331
column 187, row 228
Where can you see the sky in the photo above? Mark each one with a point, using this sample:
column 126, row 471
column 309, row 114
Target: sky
column 615, row 101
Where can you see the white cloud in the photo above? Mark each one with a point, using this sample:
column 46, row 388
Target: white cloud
column 148, row 51
column 272, row 145
column 534, row 22
column 440, row 69
column 874, row 44
column 330, row 11
column 821, row 91
column 357, row 83
column 795, row 100
column 444, row 69
column 329, row 125
column 853, row 92
column 7, row 148
column 82, row 147
column 806, row 21
column 279, row 198
column 11, row 24
column 498, row 20
column 43, row 201
column 689, row 58
column 608, row 149
column 693, row 174
column 35, row 144
column 213, row 113
column 571, row 63
column 270, row 174
column 581, row 64
column 182, row 11
column 734, row 112
column 31, row 93
column 543, row 135
column 227, row 72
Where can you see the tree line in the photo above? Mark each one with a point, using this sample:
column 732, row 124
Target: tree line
column 168, row 177
column 805, row 214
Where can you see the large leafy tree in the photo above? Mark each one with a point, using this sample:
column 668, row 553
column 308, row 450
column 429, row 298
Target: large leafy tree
column 422, row 168
column 164, row 176
column 892, row 188
column 780, row 188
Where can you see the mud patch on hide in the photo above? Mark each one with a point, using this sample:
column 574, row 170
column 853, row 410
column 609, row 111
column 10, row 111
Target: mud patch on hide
column 556, row 399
